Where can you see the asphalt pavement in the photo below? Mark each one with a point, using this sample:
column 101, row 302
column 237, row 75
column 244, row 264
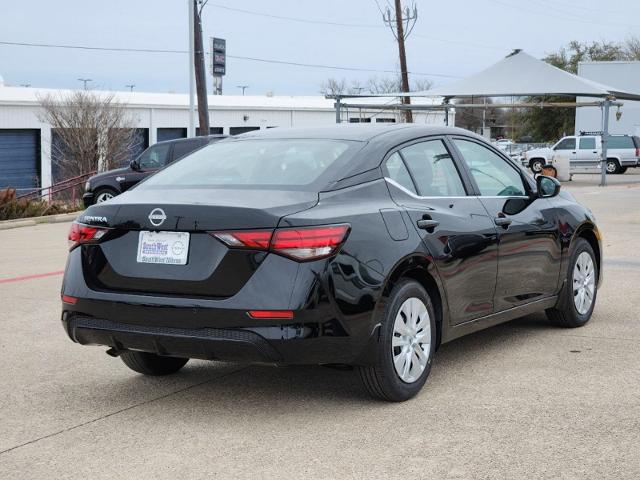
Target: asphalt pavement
column 520, row 400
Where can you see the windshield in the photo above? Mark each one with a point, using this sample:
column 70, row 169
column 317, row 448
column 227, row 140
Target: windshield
column 295, row 163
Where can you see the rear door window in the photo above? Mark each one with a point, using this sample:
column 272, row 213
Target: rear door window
column 397, row 171
column 180, row 149
column 588, row 143
column 433, row 169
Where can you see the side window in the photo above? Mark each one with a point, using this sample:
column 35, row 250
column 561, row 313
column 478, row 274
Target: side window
column 493, row 174
column 433, row 169
column 566, row 144
column 155, row 156
column 399, row 173
column 620, row 142
column 180, row 149
column 588, row 143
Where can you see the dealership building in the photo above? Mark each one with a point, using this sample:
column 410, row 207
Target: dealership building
column 25, row 141
column 625, row 75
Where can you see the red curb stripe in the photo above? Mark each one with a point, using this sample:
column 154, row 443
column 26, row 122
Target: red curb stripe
column 31, row 277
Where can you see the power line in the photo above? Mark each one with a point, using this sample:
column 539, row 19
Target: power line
column 237, row 57
column 294, row 19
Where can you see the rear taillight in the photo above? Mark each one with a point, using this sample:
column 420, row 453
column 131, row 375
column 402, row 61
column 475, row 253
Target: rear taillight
column 637, row 151
column 303, row 243
column 79, row 234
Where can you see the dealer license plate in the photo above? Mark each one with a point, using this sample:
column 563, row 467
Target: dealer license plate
column 168, row 248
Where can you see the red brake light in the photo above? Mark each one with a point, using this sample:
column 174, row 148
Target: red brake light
column 80, row 233
column 303, row 243
column 279, row 314
column 637, row 151
column 309, row 243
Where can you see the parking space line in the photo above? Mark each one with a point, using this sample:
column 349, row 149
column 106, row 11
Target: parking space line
column 31, row 277
column 130, row 407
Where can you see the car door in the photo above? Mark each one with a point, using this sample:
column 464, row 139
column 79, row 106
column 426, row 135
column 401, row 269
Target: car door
column 528, row 248
column 587, row 153
column 454, row 226
column 567, row 148
column 150, row 161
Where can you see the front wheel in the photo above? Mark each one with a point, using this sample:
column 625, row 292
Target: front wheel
column 536, row 165
column 152, row 364
column 405, row 346
column 578, row 297
column 104, row 194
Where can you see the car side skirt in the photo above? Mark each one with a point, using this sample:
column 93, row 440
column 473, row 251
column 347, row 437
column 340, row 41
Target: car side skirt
column 457, row 331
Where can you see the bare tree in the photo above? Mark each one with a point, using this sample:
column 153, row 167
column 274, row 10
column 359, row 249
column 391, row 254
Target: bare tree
column 384, row 84
column 333, row 86
column 421, row 84
column 95, row 132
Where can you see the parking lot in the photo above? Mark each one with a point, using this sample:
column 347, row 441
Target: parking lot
column 521, row 400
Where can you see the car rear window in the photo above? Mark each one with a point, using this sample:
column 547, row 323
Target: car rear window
column 621, row 142
column 295, row 163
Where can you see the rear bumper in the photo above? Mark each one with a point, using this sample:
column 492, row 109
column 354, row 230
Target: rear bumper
column 286, row 344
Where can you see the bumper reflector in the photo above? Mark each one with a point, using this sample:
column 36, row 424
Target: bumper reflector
column 277, row 314
column 69, row 300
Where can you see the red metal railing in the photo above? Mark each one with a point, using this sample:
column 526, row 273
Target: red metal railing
column 60, row 187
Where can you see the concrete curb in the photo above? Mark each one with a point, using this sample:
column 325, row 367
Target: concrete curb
column 29, row 222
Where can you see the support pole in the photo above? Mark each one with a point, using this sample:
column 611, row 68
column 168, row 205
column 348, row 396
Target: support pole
column 605, row 141
column 338, row 107
column 191, row 131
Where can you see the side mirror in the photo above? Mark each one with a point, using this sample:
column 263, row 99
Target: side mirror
column 134, row 165
column 547, row 186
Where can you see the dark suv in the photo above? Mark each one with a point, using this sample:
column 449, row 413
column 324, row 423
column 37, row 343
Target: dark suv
column 106, row 185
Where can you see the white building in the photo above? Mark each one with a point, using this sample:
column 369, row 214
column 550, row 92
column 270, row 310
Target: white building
column 623, row 75
column 25, row 142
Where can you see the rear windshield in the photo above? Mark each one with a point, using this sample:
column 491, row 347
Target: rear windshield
column 621, row 142
column 295, row 163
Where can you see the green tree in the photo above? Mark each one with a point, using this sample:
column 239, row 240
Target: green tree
column 547, row 124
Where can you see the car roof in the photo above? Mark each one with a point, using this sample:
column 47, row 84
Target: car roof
column 358, row 132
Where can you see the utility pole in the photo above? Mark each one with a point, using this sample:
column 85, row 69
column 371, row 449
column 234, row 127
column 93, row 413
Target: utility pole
column 243, row 87
column 130, row 86
column 401, row 25
column 85, row 81
column 201, row 74
column 191, row 15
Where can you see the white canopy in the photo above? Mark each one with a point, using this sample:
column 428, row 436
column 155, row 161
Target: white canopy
column 521, row 75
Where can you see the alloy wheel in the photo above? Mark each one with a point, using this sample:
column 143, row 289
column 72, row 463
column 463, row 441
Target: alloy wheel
column 584, row 283
column 104, row 196
column 411, row 342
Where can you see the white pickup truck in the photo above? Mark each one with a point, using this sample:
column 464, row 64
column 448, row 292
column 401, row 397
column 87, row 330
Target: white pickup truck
column 623, row 151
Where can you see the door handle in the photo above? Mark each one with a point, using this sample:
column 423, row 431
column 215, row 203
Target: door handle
column 503, row 222
column 428, row 224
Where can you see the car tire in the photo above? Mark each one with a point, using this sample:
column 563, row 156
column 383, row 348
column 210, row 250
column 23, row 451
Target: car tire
column 622, row 170
column 103, row 194
column 152, row 364
column 400, row 371
column 613, row 167
column 569, row 312
column 536, row 165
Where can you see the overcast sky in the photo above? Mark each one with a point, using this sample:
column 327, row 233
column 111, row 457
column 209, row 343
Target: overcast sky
column 451, row 39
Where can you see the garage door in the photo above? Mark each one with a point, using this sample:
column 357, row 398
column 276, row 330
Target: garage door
column 19, row 159
column 171, row 133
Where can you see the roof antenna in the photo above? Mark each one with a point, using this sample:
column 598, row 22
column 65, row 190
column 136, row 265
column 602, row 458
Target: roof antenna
column 515, row 52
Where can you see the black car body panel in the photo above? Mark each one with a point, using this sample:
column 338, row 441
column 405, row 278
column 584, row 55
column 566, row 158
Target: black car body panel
column 480, row 273
column 119, row 180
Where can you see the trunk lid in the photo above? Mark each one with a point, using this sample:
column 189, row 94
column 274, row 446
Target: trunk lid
column 212, row 270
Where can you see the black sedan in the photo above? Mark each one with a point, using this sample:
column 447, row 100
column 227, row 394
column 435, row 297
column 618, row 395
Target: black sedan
column 363, row 246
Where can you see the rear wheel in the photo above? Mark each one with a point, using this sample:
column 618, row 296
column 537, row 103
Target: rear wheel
column 152, row 364
column 622, row 169
column 536, row 165
column 613, row 166
column 405, row 347
column 578, row 297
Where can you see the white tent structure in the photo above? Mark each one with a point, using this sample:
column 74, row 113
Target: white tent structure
column 521, row 75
